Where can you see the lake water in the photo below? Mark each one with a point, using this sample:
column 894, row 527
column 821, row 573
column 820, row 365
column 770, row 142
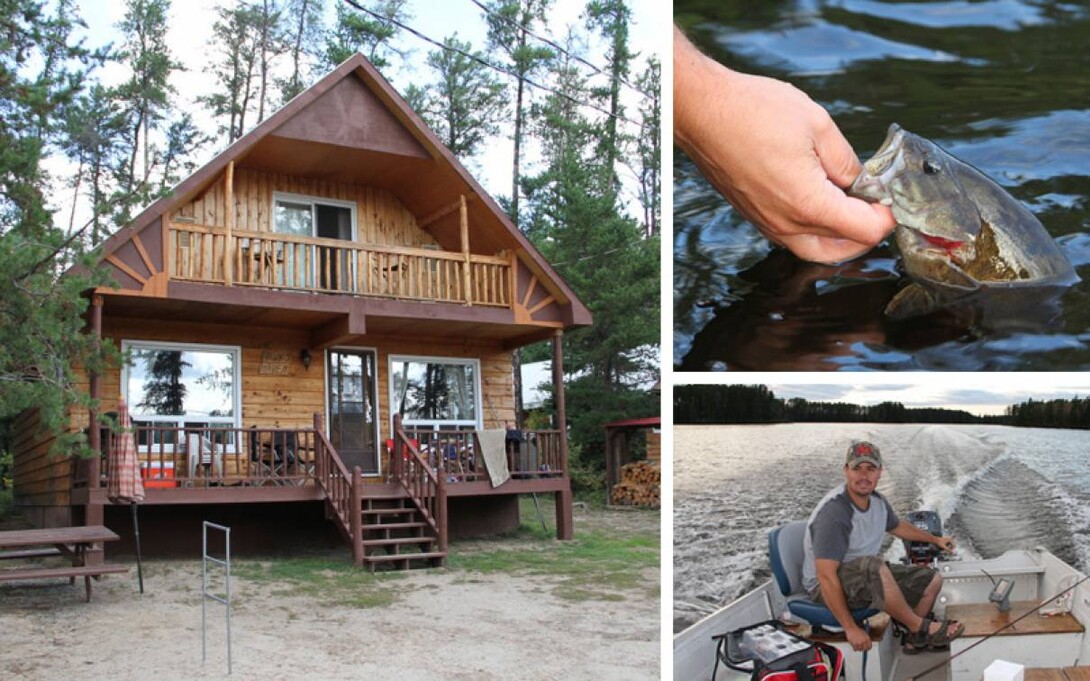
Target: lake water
column 995, row 487
column 1002, row 84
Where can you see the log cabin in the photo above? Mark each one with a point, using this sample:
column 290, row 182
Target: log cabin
column 319, row 326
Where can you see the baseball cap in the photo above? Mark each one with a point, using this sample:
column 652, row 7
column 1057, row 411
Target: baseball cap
column 863, row 452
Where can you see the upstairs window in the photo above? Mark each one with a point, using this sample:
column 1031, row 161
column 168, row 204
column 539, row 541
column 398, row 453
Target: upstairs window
column 311, row 216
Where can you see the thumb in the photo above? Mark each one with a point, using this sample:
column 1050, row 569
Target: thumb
column 852, row 218
column 837, row 157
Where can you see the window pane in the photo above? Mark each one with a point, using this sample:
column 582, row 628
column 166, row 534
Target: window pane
column 435, row 391
column 293, row 218
column 193, row 384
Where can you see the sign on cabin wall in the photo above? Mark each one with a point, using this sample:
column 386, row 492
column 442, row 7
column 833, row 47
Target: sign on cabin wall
column 274, row 362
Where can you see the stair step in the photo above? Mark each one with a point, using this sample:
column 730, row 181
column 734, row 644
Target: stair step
column 391, row 557
column 394, row 526
column 387, row 511
column 398, row 541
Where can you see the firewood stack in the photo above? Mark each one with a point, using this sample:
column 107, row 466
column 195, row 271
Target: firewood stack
column 639, row 485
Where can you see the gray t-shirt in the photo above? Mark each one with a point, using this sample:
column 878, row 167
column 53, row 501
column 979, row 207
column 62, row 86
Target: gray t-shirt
column 841, row 531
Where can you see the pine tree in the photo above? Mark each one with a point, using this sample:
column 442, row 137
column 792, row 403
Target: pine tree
column 303, row 30
column 95, row 130
column 611, row 19
column 42, row 336
column 237, row 46
column 576, row 221
column 648, row 166
column 465, row 104
column 509, row 23
column 145, row 97
column 357, row 31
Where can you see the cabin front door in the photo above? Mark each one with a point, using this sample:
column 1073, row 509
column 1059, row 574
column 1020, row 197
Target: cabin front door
column 353, row 408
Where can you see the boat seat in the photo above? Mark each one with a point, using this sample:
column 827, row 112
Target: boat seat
column 786, row 554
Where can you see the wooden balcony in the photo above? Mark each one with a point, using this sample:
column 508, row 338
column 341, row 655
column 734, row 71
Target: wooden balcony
column 209, row 255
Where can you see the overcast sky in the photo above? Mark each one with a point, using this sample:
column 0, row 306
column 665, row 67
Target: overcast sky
column 977, row 393
column 191, row 29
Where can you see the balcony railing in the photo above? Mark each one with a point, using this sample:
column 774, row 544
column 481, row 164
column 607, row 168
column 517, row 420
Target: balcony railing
column 281, row 261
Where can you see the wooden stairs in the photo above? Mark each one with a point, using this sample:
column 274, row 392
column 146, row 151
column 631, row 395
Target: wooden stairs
column 397, row 536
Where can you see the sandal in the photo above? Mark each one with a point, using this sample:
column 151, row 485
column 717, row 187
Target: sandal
column 915, row 642
column 948, row 631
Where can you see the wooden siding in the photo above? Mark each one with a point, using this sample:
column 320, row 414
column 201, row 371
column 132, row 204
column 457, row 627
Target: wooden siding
column 381, row 218
column 283, row 401
column 290, row 400
column 41, row 478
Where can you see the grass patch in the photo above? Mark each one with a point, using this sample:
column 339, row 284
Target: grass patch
column 329, row 580
column 596, row 565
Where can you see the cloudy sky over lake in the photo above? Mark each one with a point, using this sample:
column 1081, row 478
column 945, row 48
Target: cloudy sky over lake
column 978, row 393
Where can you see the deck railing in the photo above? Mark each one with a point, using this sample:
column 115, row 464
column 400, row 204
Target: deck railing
column 174, row 457
column 423, row 482
column 536, row 454
column 282, row 261
column 342, row 489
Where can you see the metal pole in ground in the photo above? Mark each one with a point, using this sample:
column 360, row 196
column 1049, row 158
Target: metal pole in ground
column 207, row 595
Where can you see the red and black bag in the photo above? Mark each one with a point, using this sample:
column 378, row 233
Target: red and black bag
column 768, row 652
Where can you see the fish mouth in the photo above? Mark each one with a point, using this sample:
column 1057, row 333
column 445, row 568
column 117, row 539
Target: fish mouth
column 883, row 161
column 873, row 183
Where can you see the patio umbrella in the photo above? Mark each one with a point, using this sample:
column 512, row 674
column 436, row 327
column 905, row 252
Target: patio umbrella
column 124, row 481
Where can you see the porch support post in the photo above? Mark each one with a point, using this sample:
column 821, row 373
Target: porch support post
column 229, row 223
column 356, row 521
column 563, row 497
column 463, row 219
column 94, row 437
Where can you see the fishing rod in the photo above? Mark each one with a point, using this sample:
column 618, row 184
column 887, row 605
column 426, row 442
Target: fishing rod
column 1008, row 625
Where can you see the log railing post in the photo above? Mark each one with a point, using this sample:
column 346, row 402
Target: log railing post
column 463, row 214
column 229, row 223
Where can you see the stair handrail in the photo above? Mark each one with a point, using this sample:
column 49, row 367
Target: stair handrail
column 423, row 484
column 342, row 489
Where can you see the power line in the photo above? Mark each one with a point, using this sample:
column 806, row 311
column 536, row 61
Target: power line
column 486, row 64
column 555, row 46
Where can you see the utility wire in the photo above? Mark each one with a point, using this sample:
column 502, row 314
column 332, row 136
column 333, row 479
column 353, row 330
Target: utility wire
column 486, row 64
column 555, row 46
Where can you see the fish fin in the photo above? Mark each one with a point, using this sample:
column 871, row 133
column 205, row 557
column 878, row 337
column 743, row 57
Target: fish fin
column 911, row 301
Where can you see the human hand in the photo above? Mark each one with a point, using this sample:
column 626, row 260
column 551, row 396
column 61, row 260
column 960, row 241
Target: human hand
column 776, row 155
column 945, row 543
column 858, row 639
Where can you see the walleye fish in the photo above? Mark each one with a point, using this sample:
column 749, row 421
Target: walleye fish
column 960, row 234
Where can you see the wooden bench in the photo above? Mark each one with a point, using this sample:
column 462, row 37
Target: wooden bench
column 29, row 553
column 71, row 572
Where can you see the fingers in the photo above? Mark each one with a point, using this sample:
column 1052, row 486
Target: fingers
column 835, row 153
column 823, row 249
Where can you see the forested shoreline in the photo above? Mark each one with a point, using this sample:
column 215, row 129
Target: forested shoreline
column 714, row 404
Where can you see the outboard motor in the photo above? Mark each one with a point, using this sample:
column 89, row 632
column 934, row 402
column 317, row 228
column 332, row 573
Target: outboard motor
column 920, row 553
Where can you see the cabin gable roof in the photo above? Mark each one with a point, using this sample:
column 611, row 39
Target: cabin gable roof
column 352, row 126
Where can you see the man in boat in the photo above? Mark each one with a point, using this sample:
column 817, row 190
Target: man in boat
column 843, row 571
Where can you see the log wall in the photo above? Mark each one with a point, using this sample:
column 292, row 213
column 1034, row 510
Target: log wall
column 41, row 478
column 381, row 218
column 290, row 400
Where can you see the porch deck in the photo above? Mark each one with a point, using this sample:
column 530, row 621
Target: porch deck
column 241, row 465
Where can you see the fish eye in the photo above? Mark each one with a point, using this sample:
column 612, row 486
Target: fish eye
column 930, row 167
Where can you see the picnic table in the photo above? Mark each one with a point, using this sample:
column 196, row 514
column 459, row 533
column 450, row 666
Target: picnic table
column 71, row 542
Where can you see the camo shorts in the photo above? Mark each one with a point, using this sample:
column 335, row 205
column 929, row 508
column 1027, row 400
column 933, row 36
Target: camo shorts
column 862, row 582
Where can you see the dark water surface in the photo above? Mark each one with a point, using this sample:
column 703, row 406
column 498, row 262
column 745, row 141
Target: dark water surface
column 1002, row 84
